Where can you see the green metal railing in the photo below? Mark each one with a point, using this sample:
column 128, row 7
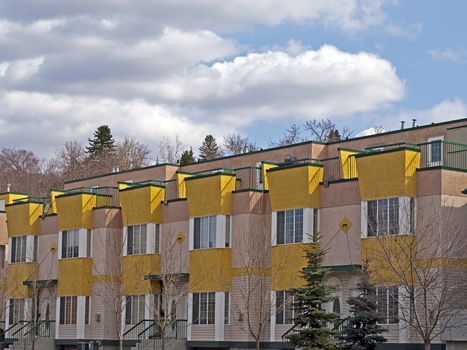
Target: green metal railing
column 134, row 332
column 332, row 169
column 152, row 334
column 443, row 153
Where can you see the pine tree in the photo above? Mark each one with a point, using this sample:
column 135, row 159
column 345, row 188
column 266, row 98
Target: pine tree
column 312, row 321
column 187, row 157
column 209, row 149
column 362, row 332
column 102, row 142
column 333, row 135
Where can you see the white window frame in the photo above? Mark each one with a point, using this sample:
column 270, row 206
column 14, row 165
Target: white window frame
column 430, row 162
column 19, row 255
column 68, row 251
column 197, row 306
column 68, row 310
column 285, row 307
column 387, row 317
column 407, row 214
column 141, row 239
column 16, row 312
column 227, row 303
column 137, row 310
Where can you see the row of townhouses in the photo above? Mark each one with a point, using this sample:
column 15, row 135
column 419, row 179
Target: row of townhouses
column 207, row 253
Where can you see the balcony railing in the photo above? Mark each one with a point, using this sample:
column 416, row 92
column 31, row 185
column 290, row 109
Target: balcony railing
column 443, row 153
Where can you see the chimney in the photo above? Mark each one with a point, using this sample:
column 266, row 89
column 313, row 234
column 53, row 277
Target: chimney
column 402, row 125
column 413, row 122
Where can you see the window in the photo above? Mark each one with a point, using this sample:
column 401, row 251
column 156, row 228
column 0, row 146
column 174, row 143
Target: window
column 16, row 311
column 227, row 308
column 157, row 239
column 18, row 249
column 70, row 244
column 87, row 306
column 205, row 230
column 387, row 299
column 284, row 307
column 68, row 307
column 35, row 248
column 383, row 217
column 290, row 226
column 2, row 256
column 315, row 224
column 204, row 305
column 227, row 231
column 135, row 309
column 435, row 151
column 137, row 238
column 88, row 243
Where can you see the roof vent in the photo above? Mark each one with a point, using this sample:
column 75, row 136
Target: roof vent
column 402, row 124
column 413, row 122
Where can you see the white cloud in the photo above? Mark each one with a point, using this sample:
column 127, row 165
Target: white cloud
column 21, row 70
column 445, row 110
column 155, row 68
column 455, row 54
column 50, row 120
column 350, row 15
column 324, row 82
column 411, row 32
column 371, row 131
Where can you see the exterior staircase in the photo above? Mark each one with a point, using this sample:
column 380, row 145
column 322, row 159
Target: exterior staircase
column 146, row 335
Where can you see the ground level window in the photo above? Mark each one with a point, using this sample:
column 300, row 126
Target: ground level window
column 284, row 307
column 68, row 307
column 388, row 304
column 204, row 305
column 134, row 309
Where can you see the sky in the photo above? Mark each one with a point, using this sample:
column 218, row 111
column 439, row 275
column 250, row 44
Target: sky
column 159, row 68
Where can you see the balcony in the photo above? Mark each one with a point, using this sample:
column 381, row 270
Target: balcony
column 444, row 154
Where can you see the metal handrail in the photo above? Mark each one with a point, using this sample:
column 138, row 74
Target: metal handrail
column 134, row 330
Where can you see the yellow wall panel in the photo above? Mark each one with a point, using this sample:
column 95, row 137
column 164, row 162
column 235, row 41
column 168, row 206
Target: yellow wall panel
column 382, row 252
column 135, row 268
column 295, row 187
column 16, row 274
column 141, row 204
column 23, row 218
column 264, row 169
column 53, row 200
column 210, row 194
column 74, row 277
column 75, row 210
column 181, row 187
column 210, row 270
column 388, row 174
column 287, row 263
column 10, row 197
column 348, row 163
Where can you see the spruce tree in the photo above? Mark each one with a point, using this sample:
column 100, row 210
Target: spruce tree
column 187, row 157
column 362, row 332
column 312, row 321
column 209, row 149
column 103, row 142
column 333, row 135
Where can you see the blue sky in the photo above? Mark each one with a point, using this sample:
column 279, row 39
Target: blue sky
column 156, row 69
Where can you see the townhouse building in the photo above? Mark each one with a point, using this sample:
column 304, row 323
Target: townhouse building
column 207, row 253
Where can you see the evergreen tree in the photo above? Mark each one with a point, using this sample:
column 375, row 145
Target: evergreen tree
column 333, row 135
column 209, row 149
column 187, row 157
column 362, row 331
column 312, row 321
column 103, row 142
